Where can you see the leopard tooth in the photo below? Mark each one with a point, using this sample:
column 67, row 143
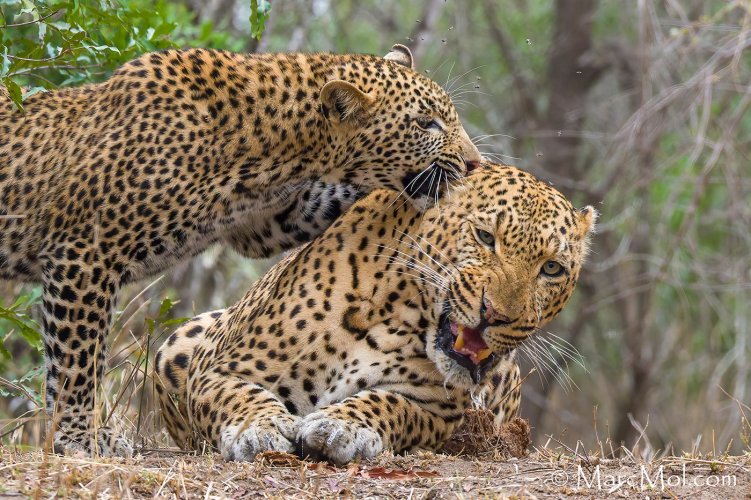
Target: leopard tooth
column 483, row 354
column 459, row 341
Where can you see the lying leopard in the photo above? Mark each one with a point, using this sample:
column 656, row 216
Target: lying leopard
column 379, row 333
column 109, row 183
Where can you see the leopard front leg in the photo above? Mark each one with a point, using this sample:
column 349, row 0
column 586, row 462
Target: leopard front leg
column 502, row 394
column 77, row 312
column 239, row 418
column 371, row 421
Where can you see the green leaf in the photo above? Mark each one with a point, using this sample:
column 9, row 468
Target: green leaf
column 164, row 29
column 165, row 307
column 31, row 374
column 259, row 13
column 28, row 299
column 175, row 321
column 33, row 90
column 29, row 8
column 15, row 92
column 4, row 351
column 100, row 48
column 5, row 68
column 32, row 336
column 42, row 32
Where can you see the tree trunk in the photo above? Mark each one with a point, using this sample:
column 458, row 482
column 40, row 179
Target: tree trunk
column 570, row 77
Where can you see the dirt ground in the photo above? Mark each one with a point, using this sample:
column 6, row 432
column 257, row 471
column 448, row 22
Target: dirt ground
column 418, row 476
column 478, row 463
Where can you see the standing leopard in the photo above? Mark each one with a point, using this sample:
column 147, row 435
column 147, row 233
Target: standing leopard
column 379, row 333
column 109, row 183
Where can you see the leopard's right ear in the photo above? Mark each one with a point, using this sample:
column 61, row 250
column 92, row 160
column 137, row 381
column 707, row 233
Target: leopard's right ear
column 401, row 54
column 588, row 219
column 343, row 102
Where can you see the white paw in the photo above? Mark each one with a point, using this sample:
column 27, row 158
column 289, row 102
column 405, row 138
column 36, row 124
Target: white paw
column 118, row 446
column 243, row 443
column 337, row 440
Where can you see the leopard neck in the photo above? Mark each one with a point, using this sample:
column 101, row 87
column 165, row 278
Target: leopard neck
column 278, row 99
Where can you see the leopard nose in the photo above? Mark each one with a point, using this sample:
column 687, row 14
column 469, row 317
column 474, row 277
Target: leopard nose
column 472, row 157
column 491, row 315
column 472, row 165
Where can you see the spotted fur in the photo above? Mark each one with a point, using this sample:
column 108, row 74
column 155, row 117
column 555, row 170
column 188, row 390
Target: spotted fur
column 109, row 183
column 350, row 345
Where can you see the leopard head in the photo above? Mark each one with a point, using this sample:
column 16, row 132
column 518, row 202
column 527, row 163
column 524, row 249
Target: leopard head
column 394, row 127
column 506, row 250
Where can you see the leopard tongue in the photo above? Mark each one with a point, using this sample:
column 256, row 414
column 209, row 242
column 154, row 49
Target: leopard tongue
column 470, row 343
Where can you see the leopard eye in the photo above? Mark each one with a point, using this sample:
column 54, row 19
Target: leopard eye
column 552, row 269
column 485, row 238
column 428, row 123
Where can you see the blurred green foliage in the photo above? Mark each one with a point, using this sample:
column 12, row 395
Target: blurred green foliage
column 47, row 43
column 17, row 325
column 16, row 318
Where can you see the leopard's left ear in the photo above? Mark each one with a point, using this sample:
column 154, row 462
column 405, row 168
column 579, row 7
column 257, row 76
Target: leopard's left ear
column 588, row 219
column 342, row 102
column 401, row 54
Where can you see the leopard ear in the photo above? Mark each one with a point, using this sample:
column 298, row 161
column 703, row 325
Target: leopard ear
column 342, row 102
column 401, row 54
column 588, row 219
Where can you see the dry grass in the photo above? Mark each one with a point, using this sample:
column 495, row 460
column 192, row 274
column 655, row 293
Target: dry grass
column 544, row 473
column 492, row 464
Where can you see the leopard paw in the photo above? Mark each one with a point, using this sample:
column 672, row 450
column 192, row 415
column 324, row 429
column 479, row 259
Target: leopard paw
column 244, row 442
column 336, row 440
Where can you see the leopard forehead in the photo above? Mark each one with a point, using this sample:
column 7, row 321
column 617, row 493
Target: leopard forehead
column 409, row 87
column 506, row 198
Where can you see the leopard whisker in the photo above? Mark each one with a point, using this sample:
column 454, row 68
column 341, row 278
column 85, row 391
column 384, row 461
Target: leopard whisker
column 443, row 255
column 448, row 186
column 416, row 246
column 408, row 186
column 418, row 277
column 436, row 171
column 482, row 137
column 463, row 86
column 565, row 348
column 470, row 91
column 456, row 78
column 439, row 173
column 552, row 364
column 463, row 181
column 420, row 268
column 421, row 184
column 497, row 156
column 451, row 69
column 543, row 364
column 414, row 262
column 533, row 358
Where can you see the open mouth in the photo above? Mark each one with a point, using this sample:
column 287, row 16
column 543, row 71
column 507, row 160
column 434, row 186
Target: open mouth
column 466, row 346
